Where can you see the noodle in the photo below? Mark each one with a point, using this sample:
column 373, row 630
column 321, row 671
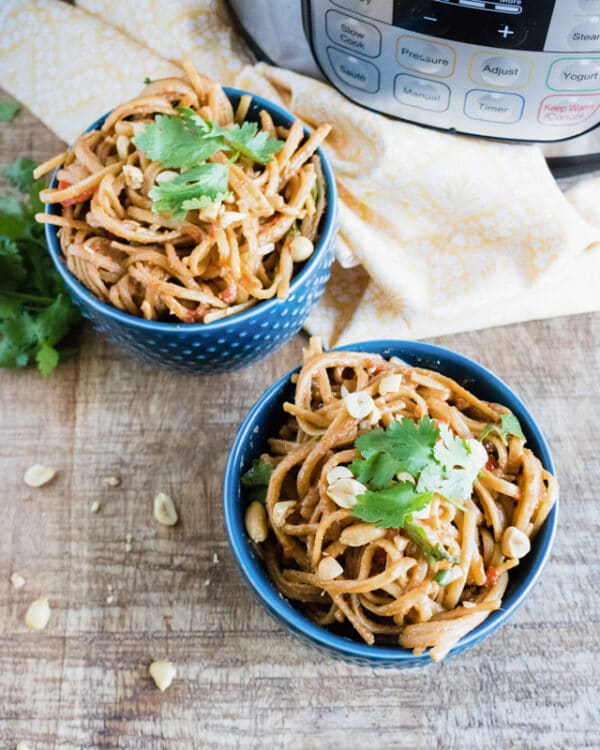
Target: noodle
column 382, row 582
column 216, row 262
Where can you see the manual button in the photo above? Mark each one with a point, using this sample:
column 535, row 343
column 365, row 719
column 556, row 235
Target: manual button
column 504, row 71
column 574, row 74
column 425, row 57
column 493, row 106
column 421, row 93
column 353, row 71
column 356, row 35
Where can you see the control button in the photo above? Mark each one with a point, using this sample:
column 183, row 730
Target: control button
column 425, row 57
column 505, row 71
column 585, row 37
column 421, row 93
column 590, row 6
column 354, row 71
column 574, row 74
column 568, row 110
column 379, row 10
column 493, row 106
column 357, row 35
column 500, row 33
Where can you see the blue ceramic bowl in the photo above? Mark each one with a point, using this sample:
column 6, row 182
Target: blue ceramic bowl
column 225, row 344
column 263, row 422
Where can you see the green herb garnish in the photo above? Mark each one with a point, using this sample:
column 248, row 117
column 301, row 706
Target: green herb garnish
column 509, row 425
column 35, row 312
column 256, row 479
column 8, row 110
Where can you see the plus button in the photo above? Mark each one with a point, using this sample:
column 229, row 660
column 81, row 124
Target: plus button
column 506, row 31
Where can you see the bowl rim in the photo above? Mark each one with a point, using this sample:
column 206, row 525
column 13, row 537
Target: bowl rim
column 311, row 265
column 284, row 611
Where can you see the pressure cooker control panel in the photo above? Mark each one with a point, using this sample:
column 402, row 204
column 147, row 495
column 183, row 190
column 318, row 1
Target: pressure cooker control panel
column 506, row 68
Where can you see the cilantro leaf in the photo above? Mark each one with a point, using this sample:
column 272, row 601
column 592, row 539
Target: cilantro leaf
column 410, row 443
column 207, row 180
column 256, row 479
column 244, row 139
column 377, row 470
column 509, row 425
column 390, row 508
column 46, row 358
column 183, row 140
column 8, row 110
column 12, row 270
column 20, row 173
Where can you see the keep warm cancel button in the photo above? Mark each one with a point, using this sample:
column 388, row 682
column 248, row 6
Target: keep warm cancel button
column 568, row 110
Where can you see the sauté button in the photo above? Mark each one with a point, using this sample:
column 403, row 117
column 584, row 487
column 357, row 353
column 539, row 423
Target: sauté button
column 575, row 74
column 359, row 36
column 493, row 106
column 568, row 110
column 504, row 71
column 421, row 93
column 425, row 57
column 353, row 71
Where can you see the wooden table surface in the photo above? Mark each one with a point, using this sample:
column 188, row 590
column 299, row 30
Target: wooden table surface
column 175, row 592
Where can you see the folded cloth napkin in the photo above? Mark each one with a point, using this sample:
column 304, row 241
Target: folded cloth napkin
column 438, row 233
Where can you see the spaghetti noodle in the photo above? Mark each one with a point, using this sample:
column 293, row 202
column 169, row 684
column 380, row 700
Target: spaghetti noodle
column 221, row 258
column 425, row 584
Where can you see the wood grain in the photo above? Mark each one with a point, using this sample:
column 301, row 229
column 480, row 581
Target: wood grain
column 242, row 682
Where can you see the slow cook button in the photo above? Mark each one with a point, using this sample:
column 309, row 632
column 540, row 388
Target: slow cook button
column 356, row 35
column 585, row 37
column 506, row 71
column 568, row 110
column 574, row 74
column 493, row 107
column 421, row 93
column 425, row 57
column 358, row 73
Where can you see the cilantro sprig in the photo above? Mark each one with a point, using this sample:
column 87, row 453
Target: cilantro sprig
column 35, row 312
column 509, row 425
column 185, row 141
column 256, row 479
column 438, row 462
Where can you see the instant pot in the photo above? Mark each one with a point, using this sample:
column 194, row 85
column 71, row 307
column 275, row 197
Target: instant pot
column 515, row 70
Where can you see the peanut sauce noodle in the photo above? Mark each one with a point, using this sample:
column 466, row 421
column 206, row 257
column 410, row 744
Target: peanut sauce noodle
column 211, row 264
column 386, row 589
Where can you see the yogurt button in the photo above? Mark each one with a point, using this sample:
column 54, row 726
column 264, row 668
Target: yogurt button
column 575, row 75
column 421, row 93
column 359, row 36
column 494, row 107
column 355, row 72
column 585, row 37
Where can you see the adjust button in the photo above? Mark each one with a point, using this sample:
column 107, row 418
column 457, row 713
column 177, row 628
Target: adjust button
column 425, row 57
column 421, row 93
column 504, row 71
column 574, row 74
column 493, row 106
column 568, row 110
column 585, row 37
column 360, row 36
column 354, row 71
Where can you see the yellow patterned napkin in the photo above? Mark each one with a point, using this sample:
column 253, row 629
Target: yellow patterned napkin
column 438, row 233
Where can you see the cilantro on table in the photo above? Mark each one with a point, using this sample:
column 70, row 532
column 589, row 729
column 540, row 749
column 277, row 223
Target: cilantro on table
column 8, row 110
column 35, row 312
column 509, row 425
column 436, row 460
column 256, row 479
column 185, row 141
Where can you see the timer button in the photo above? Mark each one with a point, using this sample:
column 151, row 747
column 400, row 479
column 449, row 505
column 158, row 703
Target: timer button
column 504, row 71
column 493, row 106
column 359, row 36
column 421, row 93
column 585, row 37
column 422, row 56
column 353, row 71
column 574, row 74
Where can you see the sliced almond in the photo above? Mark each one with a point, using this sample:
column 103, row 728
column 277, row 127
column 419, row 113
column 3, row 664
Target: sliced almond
column 162, row 672
column 344, row 491
column 281, row 510
column 166, row 176
column 301, row 248
column 38, row 614
column 359, row 404
column 390, row 383
column 134, row 177
column 17, row 581
column 361, row 533
column 38, row 475
column 256, row 522
column 165, row 511
column 122, row 144
column 338, row 472
column 329, row 568
column 112, row 481
column 95, row 506
column 515, row 544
